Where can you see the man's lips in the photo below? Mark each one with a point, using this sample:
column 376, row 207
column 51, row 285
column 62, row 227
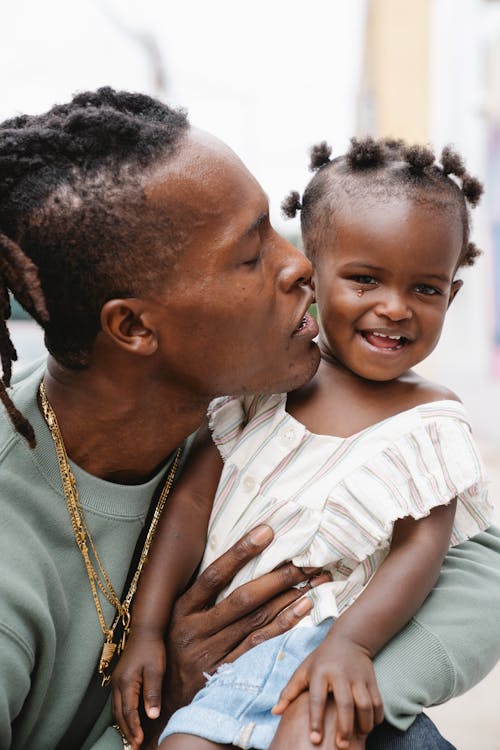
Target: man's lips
column 307, row 326
column 385, row 341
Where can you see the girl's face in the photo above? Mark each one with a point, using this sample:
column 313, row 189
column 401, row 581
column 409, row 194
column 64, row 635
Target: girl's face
column 384, row 284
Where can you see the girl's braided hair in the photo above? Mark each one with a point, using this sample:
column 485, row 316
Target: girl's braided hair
column 381, row 168
column 75, row 227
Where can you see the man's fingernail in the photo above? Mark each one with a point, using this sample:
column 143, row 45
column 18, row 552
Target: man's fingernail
column 303, row 606
column 261, row 534
column 153, row 712
column 319, row 579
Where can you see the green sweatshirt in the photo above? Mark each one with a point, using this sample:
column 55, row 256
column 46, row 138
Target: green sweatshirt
column 50, row 639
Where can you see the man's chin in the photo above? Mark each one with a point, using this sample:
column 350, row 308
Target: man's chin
column 299, row 373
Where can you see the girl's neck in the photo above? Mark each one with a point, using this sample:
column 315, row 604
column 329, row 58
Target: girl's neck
column 338, row 402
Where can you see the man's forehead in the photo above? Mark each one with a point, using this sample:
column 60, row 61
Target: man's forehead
column 198, row 154
column 204, row 176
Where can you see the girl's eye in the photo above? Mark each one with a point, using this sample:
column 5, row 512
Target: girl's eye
column 364, row 280
column 427, row 289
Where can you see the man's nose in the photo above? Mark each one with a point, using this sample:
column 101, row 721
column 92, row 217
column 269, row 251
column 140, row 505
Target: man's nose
column 296, row 269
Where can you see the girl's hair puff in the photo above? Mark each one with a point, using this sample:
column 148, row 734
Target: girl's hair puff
column 378, row 169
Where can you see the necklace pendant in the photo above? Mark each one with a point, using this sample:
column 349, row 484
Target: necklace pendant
column 123, row 640
column 107, row 653
column 126, row 629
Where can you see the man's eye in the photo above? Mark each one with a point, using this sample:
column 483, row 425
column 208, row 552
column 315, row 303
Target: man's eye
column 430, row 291
column 251, row 261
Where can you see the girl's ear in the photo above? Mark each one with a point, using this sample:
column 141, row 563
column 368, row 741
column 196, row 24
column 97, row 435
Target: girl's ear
column 455, row 287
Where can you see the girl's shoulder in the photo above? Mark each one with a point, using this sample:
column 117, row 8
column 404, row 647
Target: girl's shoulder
column 410, row 394
column 417, row 391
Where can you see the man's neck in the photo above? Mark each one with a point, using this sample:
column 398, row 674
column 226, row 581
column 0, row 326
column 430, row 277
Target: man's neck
column 121, row 428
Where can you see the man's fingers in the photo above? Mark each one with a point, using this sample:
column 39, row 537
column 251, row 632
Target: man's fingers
column 260, row 598
column 221, row 572
column 250, row 604
column 282, row 623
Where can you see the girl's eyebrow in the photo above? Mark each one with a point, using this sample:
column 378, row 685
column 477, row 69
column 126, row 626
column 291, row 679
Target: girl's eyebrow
column 361, row 264
column 438, row 276
column 357, row 264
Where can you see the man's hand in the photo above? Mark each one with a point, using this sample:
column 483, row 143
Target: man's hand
column 341, row 668
column 204, row 635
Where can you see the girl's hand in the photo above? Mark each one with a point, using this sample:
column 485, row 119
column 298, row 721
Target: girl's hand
column 293, row 731
column 343, row 668
column 140, row 669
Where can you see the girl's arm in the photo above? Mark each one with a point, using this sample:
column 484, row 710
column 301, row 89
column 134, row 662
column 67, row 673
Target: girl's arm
column 175, row 554
column 343, row 662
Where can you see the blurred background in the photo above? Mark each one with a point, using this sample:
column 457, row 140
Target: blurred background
column 271, row 79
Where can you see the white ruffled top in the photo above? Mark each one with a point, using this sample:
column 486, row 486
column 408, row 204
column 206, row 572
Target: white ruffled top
column 331, row 501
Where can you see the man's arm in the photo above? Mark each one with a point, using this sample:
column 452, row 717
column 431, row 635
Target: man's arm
column 454, row 639
column 16, row 662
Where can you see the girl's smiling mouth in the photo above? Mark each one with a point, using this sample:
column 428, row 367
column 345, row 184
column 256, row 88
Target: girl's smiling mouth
column 385, row 341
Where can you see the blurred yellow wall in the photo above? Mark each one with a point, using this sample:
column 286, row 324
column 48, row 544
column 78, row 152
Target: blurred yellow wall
column 395, row 85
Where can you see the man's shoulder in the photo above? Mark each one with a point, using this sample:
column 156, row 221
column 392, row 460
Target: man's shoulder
column 27, row 369
column 22, row 391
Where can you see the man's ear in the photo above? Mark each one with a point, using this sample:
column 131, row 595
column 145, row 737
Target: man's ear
column 455, row 288
column 128, row 324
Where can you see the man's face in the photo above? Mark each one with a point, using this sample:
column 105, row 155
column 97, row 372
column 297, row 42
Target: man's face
column 231, row 317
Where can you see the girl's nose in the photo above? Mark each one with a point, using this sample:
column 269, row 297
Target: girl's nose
column 394, row 305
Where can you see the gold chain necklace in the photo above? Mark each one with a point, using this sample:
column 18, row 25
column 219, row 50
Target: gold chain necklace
column 99, row 579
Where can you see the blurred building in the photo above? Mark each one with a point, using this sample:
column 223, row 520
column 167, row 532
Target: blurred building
column 431, row 73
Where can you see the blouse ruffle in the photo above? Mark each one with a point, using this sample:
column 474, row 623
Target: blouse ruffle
column 333, row 501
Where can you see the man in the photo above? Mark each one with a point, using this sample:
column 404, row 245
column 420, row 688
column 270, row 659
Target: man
column 144, row 249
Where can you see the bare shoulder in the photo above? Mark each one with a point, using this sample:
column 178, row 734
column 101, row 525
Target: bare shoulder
column 422, row 391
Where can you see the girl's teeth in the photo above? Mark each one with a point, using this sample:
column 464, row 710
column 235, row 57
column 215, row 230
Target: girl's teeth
column 383, row 341
column 386, row 336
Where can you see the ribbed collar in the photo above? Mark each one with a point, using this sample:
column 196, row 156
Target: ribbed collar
column 108, row 498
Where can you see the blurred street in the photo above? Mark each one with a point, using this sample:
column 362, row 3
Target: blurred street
column 472, row 722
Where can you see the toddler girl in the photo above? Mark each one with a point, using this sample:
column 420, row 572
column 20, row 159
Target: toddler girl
column 368, row 472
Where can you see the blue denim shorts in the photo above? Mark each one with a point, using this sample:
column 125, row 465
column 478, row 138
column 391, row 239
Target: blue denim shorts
column 235, row 705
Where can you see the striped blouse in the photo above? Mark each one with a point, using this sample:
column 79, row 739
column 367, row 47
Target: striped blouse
column 332, row 501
